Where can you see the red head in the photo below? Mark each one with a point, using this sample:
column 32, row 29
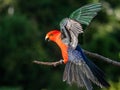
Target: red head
column 53, row 35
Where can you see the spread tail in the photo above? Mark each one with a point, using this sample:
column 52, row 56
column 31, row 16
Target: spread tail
column 82, row 72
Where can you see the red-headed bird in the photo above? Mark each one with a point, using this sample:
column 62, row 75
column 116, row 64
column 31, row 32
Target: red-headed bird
column 79, row 69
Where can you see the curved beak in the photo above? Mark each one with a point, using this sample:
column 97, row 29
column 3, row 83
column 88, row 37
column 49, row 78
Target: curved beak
column 47, row 38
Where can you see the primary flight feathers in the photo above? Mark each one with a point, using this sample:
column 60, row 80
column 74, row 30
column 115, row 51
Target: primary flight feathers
column 85, row 14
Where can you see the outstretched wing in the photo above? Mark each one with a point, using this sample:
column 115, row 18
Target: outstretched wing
column 85, row 14
column 71, row 27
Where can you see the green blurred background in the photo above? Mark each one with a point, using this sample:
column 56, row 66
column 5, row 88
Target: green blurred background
column 23, row 25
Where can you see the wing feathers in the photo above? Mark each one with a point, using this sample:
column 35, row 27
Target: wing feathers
column 90, row 10
column 71, row 27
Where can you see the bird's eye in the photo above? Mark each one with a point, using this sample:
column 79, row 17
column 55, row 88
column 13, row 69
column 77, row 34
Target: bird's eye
column 51, row 34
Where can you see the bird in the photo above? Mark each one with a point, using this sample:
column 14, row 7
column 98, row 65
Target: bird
column 79, row 69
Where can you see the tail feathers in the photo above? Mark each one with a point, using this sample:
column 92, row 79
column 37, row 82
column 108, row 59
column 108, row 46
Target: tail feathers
column 97, row 72
column 84, row 78
column 83, row 74
column 74, row 74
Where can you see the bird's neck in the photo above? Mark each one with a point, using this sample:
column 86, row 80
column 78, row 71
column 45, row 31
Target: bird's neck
column 64, row 49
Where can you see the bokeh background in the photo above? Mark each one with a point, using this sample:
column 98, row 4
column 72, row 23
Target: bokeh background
column 23, row 25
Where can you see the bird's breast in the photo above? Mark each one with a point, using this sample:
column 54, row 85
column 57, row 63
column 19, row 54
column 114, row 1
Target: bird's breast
column 64, row 50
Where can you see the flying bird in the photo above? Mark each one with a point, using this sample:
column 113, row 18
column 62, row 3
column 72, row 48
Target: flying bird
column 78, row 68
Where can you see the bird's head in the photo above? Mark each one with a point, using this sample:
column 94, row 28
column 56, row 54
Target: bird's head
column 53, row 35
